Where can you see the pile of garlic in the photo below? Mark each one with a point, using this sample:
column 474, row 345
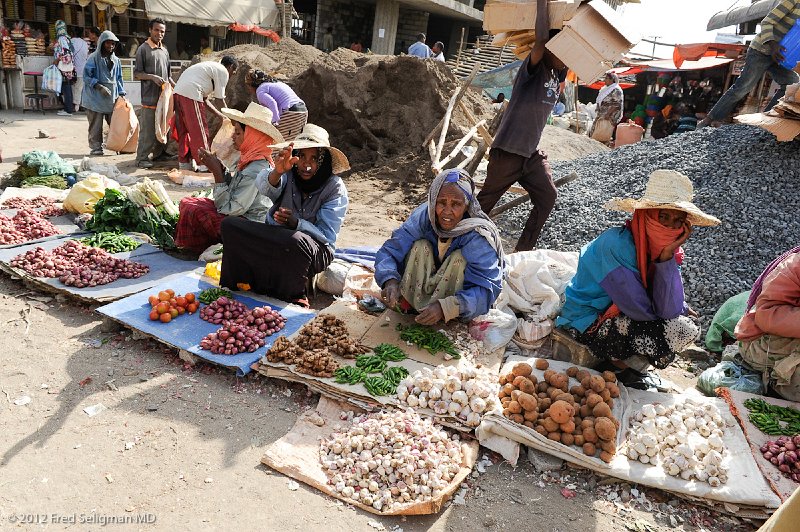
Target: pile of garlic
column 461, row 392
column 685, row 439
column 388, row 459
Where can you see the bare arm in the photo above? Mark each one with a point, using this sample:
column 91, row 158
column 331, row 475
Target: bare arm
column 542, row 34
column 217, row 104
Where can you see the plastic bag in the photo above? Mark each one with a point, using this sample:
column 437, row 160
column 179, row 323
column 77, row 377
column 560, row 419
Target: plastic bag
column 214, row 270
column 331, row 281
column 52, row 79
column 164, row 112
column 603, row 130
column 85, row 193
column 223, row 146
column 730, row 375
column 124, row 128
column 531, row 328
column 495, row 328
column 725, row 320
column 212, row 253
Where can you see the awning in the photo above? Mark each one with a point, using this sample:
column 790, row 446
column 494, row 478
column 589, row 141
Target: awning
column 258, row 30
column 623, row 72
column 693, row 52
column 214, row 12
column 668, row 65
column 742, row 14
column 119, row 5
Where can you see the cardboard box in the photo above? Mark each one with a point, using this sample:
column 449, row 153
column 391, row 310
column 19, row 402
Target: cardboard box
column 592, row 41
column 509, row 15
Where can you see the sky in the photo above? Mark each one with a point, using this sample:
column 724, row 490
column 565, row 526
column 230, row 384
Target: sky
column 675, row 21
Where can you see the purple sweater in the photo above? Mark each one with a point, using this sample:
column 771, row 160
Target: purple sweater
column 277, row 97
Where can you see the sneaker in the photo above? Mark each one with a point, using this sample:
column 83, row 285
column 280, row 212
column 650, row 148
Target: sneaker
column 144, row 164
column 202, row 169
column 63, row 113
column 186, row 166
column 97, row 152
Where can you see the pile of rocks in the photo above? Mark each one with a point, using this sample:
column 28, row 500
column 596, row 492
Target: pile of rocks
column 741, row 174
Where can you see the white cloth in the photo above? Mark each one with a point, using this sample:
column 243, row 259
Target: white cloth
column 203, row 80
column 605, row 91
column 439, row 57
column 79, row 58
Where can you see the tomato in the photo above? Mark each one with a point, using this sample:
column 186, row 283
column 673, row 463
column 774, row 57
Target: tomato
column 163, row 296
column 173, row 312
column 162, row 307
column 181, row 301
column 181, row 311
column 189, row 297
column 165, row 317
column 170, row 291
column 154, row 315
column 153, row 300
column 192, row 308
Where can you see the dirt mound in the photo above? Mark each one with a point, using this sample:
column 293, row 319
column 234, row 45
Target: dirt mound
column 564, row 145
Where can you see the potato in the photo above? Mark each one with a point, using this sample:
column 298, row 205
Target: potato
column 582, row 374
column 577, row 420
column 568, row 427
column 522, row 369
column 546, row 413
column 606, row 457
column 506, row 413
column 601, row 410
column 561, row 412
column 527, row 386
column 589, row 449
column 605, row 429
column 508, row 388
column 541, row 364
column 542, row 395
column 613, row 389
column 593, row 400
column 531, row 415
column 589, row 435
column 517, row 381
column 572, row 371
column 609, row 446
column 606, row 395
column 514, row 407
column 587, row 423
column 550, row 424
column 544, row 404
column 567, row 439
column 542, row 387
column 586, row 382
column 510, row 378
column 528, row 424
column 597, row 383
column 563, row 383
column 502, row 380
column 579, row 441
column 533, row 378
column 552, row 393
column 609, row 376
column 555, row 436
column 610, row 404
column 548, row 375
column 517, row 418
column 541, row 430
column 616, row 421
column 577, row 390
column 566, row 397
column 585, row 411
column 504, row 401
column 528, row 402
column 502, row 394
column 515, row 395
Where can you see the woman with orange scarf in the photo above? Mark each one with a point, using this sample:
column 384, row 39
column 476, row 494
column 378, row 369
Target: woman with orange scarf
column 626, row 301
column 235, row 192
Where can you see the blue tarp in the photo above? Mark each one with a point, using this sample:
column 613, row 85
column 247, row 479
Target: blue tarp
column 364, row 256
column 185, row 332
column 497, row 80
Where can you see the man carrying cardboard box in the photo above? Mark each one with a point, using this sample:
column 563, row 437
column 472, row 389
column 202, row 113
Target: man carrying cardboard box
column 515, row 154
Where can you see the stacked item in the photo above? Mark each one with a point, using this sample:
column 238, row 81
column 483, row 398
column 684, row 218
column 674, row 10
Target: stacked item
column 18, row 38
column 35, row 43
column 11, row 8
column 783, row 120
column 789, row 105
column 9, row 58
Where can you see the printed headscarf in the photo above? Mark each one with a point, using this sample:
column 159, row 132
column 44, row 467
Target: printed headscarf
column 477, row 220
column 61, row 31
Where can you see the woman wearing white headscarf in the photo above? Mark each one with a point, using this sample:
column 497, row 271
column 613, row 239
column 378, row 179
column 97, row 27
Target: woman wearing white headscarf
column 446, row 260
column 610, row 101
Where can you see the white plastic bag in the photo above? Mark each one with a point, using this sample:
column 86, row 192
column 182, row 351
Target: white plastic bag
column 495, row 328
column 531, row 329
column 331, row 281
column 210, row 254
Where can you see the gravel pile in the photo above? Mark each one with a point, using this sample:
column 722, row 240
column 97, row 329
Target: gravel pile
column 741, row 174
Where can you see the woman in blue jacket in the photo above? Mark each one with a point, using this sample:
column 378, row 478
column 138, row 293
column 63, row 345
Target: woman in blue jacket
column 446, row 260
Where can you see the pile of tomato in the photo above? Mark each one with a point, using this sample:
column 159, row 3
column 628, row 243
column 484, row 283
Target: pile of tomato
column 166, row 306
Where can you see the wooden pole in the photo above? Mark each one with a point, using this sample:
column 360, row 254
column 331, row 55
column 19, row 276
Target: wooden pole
column 472, row 165
column 453, row 101
column 497, row 211
column 577, row 114
column 439, row 165
column 460, row 47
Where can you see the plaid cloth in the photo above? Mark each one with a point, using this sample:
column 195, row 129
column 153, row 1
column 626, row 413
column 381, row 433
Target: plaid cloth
column 199, row 225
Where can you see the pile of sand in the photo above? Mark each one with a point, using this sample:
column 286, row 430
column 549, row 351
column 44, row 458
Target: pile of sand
column 565, row 145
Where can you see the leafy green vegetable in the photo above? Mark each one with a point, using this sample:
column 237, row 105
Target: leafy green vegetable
column 52, row 181
column 115, row 213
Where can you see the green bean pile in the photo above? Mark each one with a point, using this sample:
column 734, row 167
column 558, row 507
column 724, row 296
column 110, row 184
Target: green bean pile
column 377, row 386
column 769, row 418
column 428, row 339
column 349, row 375
column 389, row 352
column 370, row 363
column 212, row 294
column 111, row 242
column 395, row 374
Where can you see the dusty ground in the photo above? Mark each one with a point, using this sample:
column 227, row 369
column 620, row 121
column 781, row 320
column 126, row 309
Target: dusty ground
column 180, row 447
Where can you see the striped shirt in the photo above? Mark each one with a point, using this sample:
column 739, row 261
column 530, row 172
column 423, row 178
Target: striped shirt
column 776, row 25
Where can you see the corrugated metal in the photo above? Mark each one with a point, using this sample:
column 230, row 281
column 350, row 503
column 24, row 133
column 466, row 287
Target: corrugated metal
column 739, row 15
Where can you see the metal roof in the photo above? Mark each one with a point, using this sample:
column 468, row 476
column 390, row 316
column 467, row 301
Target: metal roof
column 742, row 14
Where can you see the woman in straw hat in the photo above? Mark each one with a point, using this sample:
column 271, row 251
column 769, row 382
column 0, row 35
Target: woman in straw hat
column 626, row 301
column 289, row 111
column 446, row 260
column 299, row 237
column 235, row 190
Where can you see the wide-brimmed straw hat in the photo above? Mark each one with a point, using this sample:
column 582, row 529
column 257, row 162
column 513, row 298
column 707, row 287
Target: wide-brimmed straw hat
column 256, row 116
column 314, row 136
column 666, row 189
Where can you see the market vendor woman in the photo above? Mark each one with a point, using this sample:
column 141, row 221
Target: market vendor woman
column 235, row 190
column 446, row 260
column 297, row 241
column 626, row 301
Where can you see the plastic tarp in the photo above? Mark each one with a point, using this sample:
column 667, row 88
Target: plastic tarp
column 497, row 80
column 214, row 12
column 119, row 6
column 741, row 14
column 668, row 65
column 186, row 331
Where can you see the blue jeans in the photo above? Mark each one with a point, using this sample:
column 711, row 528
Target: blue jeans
column 755, row 64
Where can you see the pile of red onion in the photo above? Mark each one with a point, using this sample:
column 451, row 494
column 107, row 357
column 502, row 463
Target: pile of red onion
column 52, row 211
column 9, row 233
column 26, row 225
column 232, row 339
column 263, row 319
column 783, row 454
column 23, row 203
column 223, row 309
column 78, row 265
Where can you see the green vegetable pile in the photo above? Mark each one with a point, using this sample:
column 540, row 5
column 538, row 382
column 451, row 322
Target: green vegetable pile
column 428, row 339
column 773, row 419
column 390, row 352
column 370, row 363
column 376, row 385
column 212, row 294
column 111, row 242
column 52, row 181
column 116, row 213
column 349, row 375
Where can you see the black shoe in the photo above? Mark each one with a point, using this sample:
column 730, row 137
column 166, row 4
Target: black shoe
column 165, row 158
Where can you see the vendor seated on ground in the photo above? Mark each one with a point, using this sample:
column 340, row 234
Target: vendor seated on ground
column 235, row 190
column 277, row 258
column 769, row 331
column 289, row 113
column 446, row 260
column 626, row 301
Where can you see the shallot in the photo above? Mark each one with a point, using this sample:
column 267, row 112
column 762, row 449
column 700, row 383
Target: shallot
column 223, row 309
column 782, row 453
column 232, row 339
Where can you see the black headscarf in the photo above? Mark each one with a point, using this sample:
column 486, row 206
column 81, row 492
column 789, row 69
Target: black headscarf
column 324, row 172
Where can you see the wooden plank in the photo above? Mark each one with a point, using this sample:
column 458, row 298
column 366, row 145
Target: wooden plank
column 458, row 95
column 505, row 16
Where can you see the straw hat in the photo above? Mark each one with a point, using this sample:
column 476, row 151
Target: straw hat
column 666, row 189
column 256, row 116
column 314, row 136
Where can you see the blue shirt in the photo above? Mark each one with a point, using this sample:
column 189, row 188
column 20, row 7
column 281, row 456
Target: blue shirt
column 483, row 277
column 607, row 273
column 96, row 71
column 420, row 49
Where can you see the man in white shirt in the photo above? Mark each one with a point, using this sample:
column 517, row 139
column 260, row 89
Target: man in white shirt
column 79, row 57
column 419, row 48
column 194, row 91
column 437, row 52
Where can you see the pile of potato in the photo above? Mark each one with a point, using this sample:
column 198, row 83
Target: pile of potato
column 579, row 415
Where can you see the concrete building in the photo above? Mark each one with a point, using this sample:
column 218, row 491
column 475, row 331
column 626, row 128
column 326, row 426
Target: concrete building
column 388, row 26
